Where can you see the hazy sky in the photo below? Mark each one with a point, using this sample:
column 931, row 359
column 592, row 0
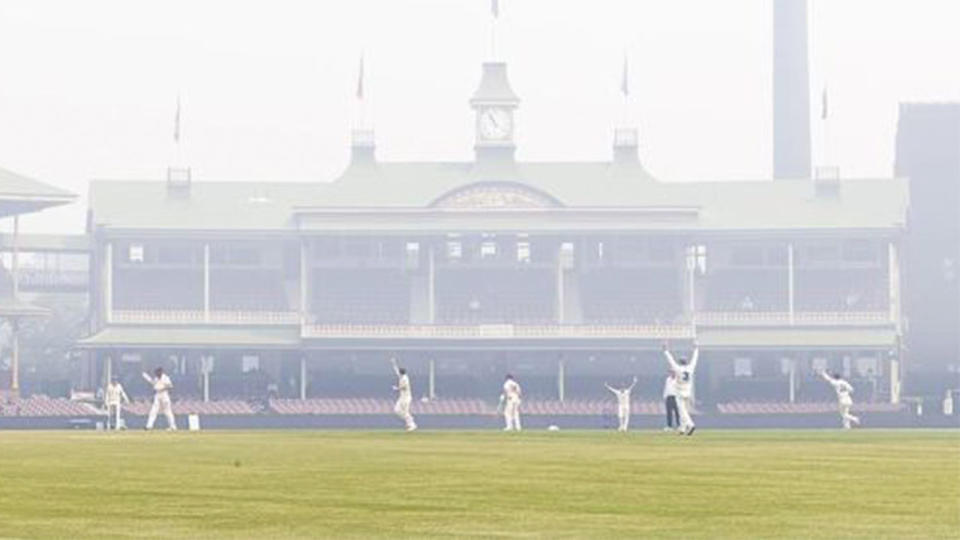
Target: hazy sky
column 88, row 88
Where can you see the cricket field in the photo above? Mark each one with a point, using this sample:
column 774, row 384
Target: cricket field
column 481, row 484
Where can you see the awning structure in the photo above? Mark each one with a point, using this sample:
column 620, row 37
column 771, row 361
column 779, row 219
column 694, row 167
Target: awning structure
column 22, row 195
column 167, row 337
column 798, row 338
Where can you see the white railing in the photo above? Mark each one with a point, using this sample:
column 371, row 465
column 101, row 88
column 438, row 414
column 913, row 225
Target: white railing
column 801, row 318
column 199, row 317
column 497, row 331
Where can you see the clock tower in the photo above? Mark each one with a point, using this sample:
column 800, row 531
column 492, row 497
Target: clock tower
column 494, row 104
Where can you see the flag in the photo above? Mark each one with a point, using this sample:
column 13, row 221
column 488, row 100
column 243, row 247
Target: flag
column 360, row 80
column 625, row 78
column 495, row 8
column 823, row 104
column 176, row 123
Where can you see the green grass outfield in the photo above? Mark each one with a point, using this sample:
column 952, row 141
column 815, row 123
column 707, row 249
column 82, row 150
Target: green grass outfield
column 577, row 484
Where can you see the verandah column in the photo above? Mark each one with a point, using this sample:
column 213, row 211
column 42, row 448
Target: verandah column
column 304, row 280
column 108, row 289
column 206, row 282
column 15, row 322
column 431, row 284
column 303, row 376
column 790, row 282
column 561, row 379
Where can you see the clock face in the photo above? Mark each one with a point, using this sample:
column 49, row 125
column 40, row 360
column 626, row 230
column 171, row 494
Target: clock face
column 495, row 124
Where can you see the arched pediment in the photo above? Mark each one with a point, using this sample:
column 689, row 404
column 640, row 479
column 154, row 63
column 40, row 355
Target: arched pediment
column 495, row 195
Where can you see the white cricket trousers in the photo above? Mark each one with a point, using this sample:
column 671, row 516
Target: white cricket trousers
column 623, row 413
column 402, row 409
column 161, row 402
column 845, row 415
column 113, row 416
column 683, row 407
column 511, row 414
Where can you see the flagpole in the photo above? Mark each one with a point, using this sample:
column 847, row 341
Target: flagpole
column 825, row 127
column 178, row 150
column 625, row 89
column 494, row 17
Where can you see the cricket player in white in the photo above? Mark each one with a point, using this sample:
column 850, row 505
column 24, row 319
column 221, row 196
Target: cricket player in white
column 510, row 401
column 844, row 401
column 161, row 398
column 623, row 403
column 404, row 397
column 684, row 372
column 113, row 399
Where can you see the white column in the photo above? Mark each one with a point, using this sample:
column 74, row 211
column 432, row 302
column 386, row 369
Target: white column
column 433, row 380
column 206, row 282
column 15, row 356
column 304, row 280
column 793, row 379
column 15, row 258
column 561, row 379
column 790, row 281
column 107, row 370
column 206, row 366
column 303, row 377
column 894, row 381
column 14, row 322
column 893, row 275
column 108, row 289
column 560, row 310
column 691, row 281
column 431, row 285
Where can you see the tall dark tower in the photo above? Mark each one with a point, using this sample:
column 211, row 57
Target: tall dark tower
column 791, row 90
column 928, row 154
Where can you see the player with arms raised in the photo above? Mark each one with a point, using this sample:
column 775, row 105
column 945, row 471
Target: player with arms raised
column 843, row 390
column 404, row 396
column 623, row 403
column 161, row 398
column 684, row 372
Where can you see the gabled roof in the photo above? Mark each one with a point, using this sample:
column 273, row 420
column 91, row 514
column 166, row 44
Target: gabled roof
column 19, row 194
column 720, row 206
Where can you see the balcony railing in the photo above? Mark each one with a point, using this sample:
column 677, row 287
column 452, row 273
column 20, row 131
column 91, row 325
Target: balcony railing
column 200, row 317
column 801, row 318
column 498, row 331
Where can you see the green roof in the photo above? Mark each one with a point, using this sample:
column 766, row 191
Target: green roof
column 720, row 206
column 19, row 194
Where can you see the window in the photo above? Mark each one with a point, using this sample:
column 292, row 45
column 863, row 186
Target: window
column 820, row 364
column 697, row 258
column 488, row 249
column 523, row 251
column 136, row 253
column 567, row 255
column 249, row 363
column 454, row 250
column 412, row 254
column 742, row 367
column 785, row 365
